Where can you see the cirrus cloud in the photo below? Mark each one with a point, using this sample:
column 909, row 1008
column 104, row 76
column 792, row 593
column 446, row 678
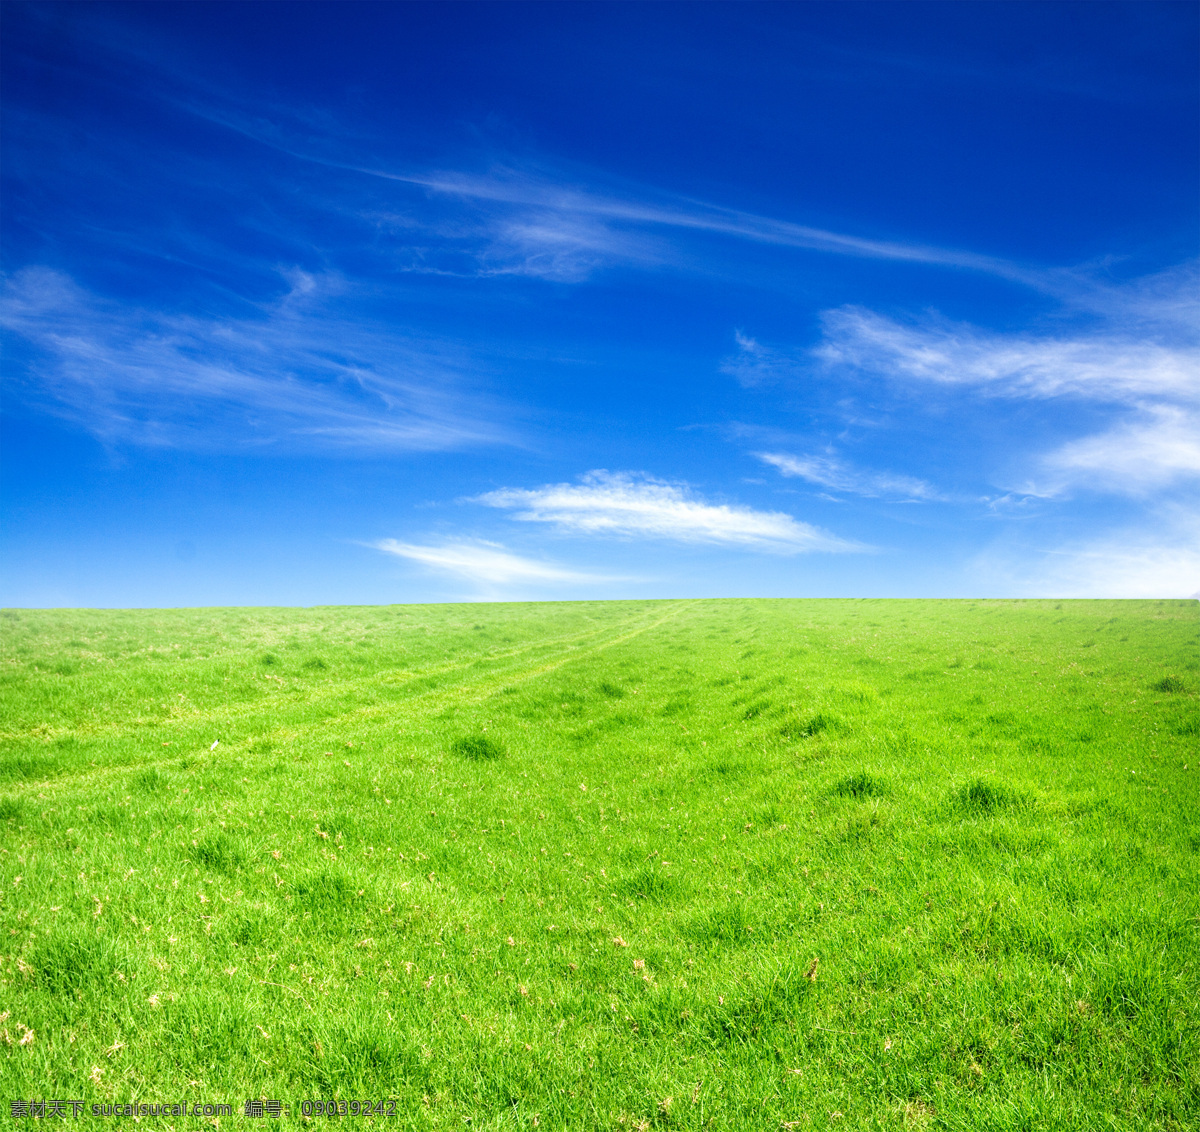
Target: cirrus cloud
column 293, row 373
column 1111, row 367
column 634, row 505
column 1157, row 448
column 485, row 562
column 1140, row 365
column 827, row 471
column 1158, row 557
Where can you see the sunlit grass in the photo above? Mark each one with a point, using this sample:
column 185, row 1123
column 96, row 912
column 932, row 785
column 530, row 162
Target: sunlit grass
column 729, row 864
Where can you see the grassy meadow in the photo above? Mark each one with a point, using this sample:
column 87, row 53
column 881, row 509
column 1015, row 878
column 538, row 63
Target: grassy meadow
column 620, row 865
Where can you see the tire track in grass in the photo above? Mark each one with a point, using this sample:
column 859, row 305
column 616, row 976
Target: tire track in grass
column 299, row 692
column 499, row 678
column 508, row 676
column 413, row 677
column 460, row 693
column 534, row 673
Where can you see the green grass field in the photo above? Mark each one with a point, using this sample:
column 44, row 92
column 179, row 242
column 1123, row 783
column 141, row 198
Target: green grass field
column 627, row 865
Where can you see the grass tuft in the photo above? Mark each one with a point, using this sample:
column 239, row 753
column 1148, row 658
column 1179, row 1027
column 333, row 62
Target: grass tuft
column 1170, row 684
column 861, row 785
column 326, row 894
column 72, row 962
column 813, row 725
column 477, row 747
column 148, row 781
column 217, row 853
column 729, row 924
column 989, row 798
column 756, row 709
column 649, row 884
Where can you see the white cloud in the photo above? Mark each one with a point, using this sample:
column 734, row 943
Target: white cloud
column 756, row 364
column 1143, row 361
column 538, row 219
column 295, row 374
column 487, row 563
column 1157, row 449
column 839, row 476
column 1108, row 367
column 543, row 199
column 1165, row 301
column 561, row 222
column 638, row 506
column 563, row 248
column 1160, row 559
column 535, row 193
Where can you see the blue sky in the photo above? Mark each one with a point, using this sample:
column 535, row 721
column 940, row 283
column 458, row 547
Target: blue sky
column 315, row 304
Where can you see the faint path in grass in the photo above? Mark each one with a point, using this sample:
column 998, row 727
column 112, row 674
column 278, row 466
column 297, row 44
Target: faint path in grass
column 493, row 680
column 320, row 705
column 302, row 691
column 298, row 691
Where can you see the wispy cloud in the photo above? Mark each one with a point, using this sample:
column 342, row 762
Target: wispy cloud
column 564, row 223
column 638, row 506
column 1103, row 366
column 295, row 373
column 1166, row 301
column 563, row 248
column 487, row 563
column 489, row 241
column 756, row 364
column 1156, row 449
column 1141, row 363
column 828, row 471
column 519, row 215
column 566, row 220
column 556, row 196
column 1159, row 558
